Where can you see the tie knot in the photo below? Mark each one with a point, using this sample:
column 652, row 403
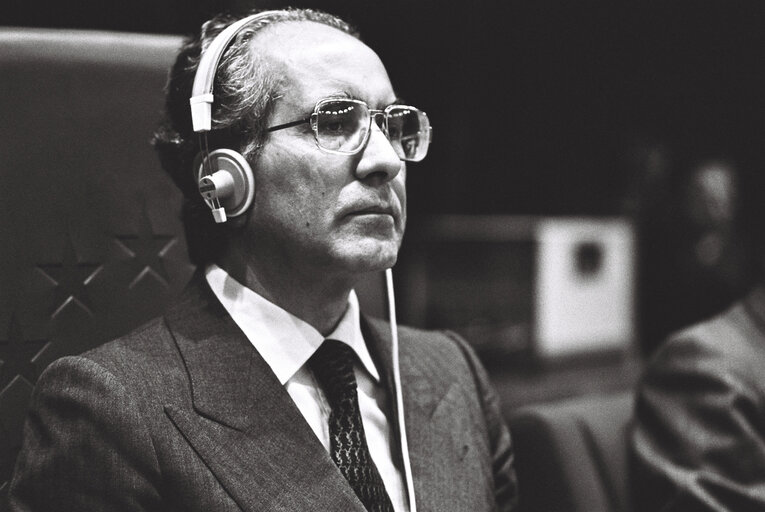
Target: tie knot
column 332, row 365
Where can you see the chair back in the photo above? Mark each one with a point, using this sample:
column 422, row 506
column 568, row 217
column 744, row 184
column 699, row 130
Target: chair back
column 92, row 243
column 571, row 456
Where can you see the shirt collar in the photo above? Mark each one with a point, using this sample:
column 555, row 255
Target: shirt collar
column 285, row 341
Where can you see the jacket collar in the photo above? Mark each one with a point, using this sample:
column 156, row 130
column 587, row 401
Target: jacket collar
column 285, row 341
column 258, row 444
column 228, row 378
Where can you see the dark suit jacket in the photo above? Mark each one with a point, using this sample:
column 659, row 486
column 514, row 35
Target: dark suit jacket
column 184, row 414
column 699, row 438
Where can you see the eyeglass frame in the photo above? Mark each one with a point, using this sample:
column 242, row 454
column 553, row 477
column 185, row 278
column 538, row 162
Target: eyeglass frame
column 373, row 114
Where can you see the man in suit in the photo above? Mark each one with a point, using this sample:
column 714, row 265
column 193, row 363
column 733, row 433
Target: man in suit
column 264, row 387
column 698, row 442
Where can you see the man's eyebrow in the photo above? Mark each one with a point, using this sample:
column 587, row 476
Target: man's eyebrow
column 343, row 94
column 398, row 100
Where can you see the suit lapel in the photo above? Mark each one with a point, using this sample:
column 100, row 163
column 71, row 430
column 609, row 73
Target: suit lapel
column 434, row 414
column 420, row 397
column 242, row 422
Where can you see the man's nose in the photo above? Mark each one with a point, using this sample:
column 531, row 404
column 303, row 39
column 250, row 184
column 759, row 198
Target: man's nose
column 378, row 158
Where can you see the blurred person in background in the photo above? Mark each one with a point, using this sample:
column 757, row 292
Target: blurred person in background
column 698, row 442
column 695, row 255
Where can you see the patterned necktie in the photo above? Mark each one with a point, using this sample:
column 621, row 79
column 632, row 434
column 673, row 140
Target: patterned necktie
column 332, row 365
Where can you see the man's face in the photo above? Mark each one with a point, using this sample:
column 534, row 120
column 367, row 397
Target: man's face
column 318, row 212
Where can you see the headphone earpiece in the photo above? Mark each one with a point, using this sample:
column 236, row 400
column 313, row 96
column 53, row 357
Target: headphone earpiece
column 226, row 183
column 224, row 177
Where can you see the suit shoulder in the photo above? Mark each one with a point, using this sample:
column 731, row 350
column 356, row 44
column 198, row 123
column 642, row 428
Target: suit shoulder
column 147, row 351
column 731, row 334
column 729, row 346
column 141, row 339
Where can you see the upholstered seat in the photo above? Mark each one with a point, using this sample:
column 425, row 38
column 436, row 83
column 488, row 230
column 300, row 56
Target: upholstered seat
column 571, row 456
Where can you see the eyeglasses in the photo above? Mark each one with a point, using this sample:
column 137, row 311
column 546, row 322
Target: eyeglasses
column 342, row 126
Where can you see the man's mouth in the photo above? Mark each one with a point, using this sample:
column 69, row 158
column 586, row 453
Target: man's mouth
column 374, row 210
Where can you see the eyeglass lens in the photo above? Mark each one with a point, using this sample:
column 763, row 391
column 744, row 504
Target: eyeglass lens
column 408, row 132
column 342, row 126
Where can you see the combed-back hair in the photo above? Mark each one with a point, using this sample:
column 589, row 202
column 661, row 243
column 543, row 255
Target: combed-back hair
column 244, row 88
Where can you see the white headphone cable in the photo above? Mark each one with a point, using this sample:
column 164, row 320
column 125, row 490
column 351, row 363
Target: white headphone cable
column 397, row 385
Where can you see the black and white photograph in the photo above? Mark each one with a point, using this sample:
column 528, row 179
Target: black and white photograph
column 400, row 256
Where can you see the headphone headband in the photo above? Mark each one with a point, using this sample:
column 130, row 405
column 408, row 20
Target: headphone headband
column 201, row 92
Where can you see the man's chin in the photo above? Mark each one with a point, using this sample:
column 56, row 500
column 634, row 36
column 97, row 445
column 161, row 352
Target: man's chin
column 370, row 256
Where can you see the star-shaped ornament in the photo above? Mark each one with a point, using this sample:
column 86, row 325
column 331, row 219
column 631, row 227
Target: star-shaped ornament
column 17, row 354
column 148, row 249
column 70, row 279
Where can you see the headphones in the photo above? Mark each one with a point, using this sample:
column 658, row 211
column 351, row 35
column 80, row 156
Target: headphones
column 224, row 177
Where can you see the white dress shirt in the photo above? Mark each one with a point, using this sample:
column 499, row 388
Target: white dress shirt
column 286, row 343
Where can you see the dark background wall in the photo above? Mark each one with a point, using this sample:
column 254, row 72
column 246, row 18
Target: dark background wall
column 538, row 107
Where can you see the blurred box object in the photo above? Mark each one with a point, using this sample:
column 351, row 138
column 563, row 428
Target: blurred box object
column 545, row 287
column 584, row 288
